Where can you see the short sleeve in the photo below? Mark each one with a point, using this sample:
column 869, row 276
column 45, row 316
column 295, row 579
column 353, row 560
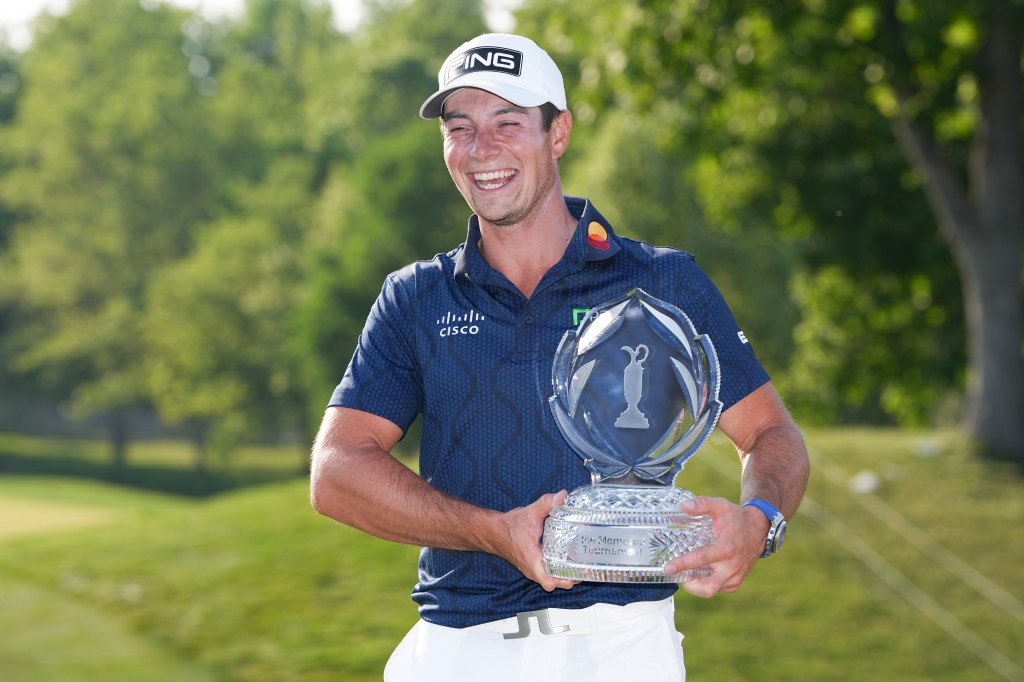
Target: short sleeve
column 741, row 371
column 384, row 376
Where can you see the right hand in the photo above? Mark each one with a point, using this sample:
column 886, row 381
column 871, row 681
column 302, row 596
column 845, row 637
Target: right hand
column 525, row 526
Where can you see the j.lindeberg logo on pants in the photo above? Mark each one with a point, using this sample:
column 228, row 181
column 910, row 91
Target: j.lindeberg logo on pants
column 454, row 325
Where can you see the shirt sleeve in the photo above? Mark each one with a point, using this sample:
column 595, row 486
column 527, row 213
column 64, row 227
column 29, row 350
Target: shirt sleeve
column 741, row 371
column 384, row 376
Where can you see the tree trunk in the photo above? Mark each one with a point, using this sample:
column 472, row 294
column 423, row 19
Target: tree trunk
column 985, row 230
column 993, row 302
column 996, row 414
column 118, row 423
column 198, row 432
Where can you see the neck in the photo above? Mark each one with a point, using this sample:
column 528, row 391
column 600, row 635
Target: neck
column 524, row 252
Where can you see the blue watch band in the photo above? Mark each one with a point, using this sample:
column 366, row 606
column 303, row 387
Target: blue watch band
column 777, row 529
column 765, row 506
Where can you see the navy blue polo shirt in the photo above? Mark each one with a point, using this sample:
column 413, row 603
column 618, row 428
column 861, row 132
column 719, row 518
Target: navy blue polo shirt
column 454, row 340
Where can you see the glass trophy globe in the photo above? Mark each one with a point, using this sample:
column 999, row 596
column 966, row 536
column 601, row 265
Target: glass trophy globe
column 635, row 395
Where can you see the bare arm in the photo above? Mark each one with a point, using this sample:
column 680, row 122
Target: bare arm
column 355, row 480
column 775, row 468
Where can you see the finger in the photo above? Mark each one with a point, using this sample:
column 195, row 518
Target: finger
column 552, row 500
column 706, row 588
column 695, row 558
column 709, row 583
column 550, row 582
column 704, row 505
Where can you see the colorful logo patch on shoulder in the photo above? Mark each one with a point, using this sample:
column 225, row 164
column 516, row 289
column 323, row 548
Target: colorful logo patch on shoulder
column 597, row 236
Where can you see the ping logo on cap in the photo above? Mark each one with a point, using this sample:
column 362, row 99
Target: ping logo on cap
column 497, row 59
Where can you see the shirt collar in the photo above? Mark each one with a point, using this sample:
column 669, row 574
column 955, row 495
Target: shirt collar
column 594, row 240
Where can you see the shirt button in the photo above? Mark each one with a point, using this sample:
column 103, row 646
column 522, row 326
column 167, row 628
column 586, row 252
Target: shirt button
column 529, row 319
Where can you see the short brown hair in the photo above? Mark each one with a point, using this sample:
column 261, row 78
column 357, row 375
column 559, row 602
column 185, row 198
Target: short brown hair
column 548, row 113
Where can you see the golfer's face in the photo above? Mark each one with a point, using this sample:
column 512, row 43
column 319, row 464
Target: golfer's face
column 499, row 155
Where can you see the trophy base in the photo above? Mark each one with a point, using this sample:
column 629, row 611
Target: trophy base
column 623, row 534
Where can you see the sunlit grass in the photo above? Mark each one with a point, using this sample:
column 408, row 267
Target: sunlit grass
column 252, row 585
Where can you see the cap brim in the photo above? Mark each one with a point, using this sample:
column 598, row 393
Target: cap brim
column 434, row 104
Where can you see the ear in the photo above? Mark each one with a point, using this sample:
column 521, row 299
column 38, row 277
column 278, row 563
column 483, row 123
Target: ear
column 559, row 134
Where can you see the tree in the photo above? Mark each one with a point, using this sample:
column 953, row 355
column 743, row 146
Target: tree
column 217, row 327
column 771, row 105
column 219, row 323
column 109, row 178
column 950, row 82
column 390, row 201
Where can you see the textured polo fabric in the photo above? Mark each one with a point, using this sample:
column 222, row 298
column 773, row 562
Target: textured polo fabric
column 452, row 339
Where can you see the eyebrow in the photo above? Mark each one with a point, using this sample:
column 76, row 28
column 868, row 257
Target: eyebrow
column 499, row 112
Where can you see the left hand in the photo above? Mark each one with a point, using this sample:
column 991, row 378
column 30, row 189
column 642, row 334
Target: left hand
column 740, row 533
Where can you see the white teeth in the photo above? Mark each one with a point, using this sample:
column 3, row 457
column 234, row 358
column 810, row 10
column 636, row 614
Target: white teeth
column 493, row 175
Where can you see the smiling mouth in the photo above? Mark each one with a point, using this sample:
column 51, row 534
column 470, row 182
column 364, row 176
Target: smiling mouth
column 493, row 179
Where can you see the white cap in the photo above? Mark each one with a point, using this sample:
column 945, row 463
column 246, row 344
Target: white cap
column 511, row 67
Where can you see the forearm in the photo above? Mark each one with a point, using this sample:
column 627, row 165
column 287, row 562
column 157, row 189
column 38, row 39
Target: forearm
column 375, row 493
column 776, row 468
column 355, row 480
column 771, row 450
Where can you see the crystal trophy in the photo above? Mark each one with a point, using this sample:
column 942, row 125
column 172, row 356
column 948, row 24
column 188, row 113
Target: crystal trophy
column 635, row 395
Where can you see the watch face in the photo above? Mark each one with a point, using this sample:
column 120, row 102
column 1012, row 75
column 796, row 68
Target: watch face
column 780, row 535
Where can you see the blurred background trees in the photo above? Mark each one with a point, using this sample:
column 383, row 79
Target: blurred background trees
column 196, row 215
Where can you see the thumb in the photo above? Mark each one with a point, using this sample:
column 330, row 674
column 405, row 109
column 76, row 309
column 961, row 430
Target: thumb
column 552, row 500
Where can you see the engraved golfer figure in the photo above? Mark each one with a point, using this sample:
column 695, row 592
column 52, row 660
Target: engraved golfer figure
column 633, row 387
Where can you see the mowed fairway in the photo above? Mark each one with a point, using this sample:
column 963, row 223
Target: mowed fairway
column 20, row 517
column 914, row 577
column 46, row 634
column 135, row 586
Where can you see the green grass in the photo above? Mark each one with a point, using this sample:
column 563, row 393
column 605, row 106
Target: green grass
column 251, row 585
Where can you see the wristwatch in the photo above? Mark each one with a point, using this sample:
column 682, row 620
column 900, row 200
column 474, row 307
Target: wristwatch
column 777, row 531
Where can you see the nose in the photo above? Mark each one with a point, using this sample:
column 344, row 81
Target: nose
column 484, row 145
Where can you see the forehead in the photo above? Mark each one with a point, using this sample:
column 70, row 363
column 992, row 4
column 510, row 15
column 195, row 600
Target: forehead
column 476, row 102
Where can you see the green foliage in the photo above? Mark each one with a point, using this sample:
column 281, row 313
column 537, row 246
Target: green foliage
column 759, row 116
column 392, row 202
column 195, row 216
column 168, row 270
column 227, row 366
column 10, row 82
column 109, row 176
column 862, row 321
column 219, row 321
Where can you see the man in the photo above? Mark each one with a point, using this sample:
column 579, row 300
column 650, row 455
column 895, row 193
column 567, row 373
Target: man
column 467, row 340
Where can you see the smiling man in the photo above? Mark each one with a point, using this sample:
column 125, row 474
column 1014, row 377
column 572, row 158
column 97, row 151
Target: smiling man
column 467, row 339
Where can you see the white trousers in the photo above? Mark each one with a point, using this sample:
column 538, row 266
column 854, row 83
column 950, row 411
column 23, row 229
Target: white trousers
column 601, row 643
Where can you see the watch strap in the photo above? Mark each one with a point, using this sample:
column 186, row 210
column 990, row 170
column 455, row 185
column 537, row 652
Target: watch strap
column 775, row 518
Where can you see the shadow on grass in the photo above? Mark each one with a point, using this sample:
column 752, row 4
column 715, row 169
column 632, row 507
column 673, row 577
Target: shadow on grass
column 165, row 479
